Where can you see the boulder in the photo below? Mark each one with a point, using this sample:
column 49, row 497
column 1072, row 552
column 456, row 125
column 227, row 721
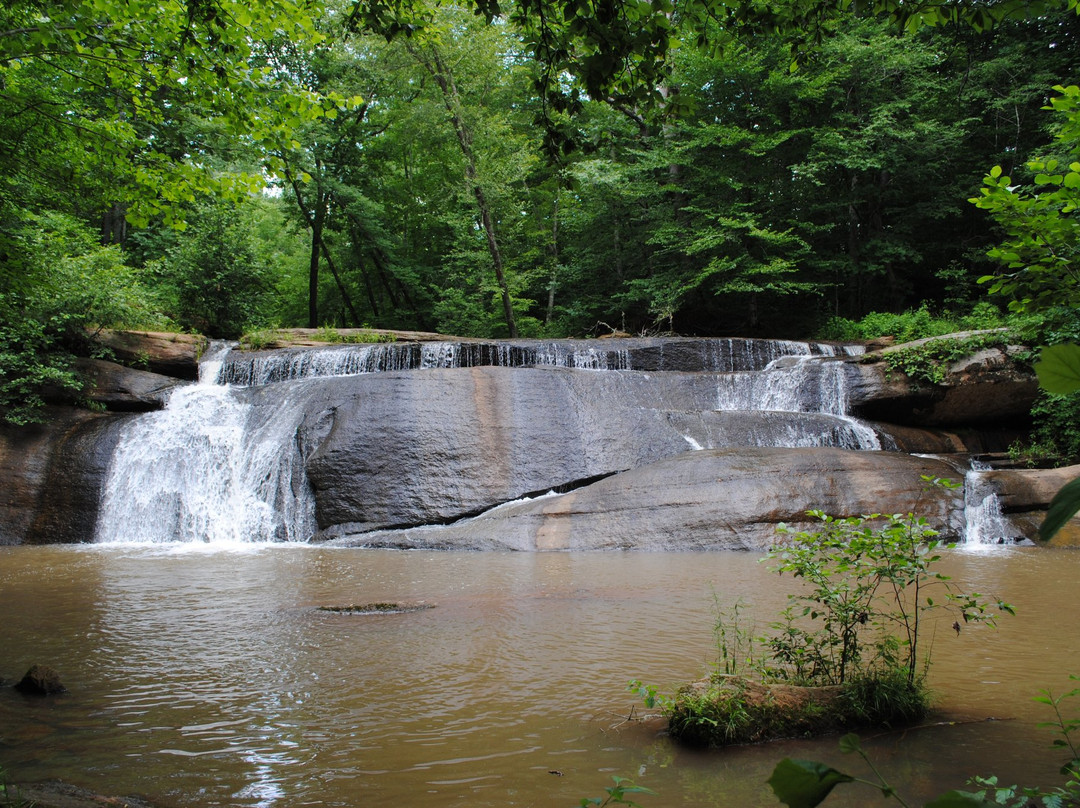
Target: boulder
column 51, row 476
column 1029, row 489
column 727, row 499
column 41, row 680
column 124, row 389
column 1025, row 494
column 402, row 449
column 988, row 387
column 169, row 354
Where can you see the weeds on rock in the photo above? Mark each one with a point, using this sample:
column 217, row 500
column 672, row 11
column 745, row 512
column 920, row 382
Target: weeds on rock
column 847, row 651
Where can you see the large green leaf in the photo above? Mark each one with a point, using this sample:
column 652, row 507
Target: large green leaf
column 1063, row 506
column 1058, row 369
column 804, row 783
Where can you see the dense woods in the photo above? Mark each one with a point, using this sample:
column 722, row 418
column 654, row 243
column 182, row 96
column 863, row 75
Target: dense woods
column 495, row 172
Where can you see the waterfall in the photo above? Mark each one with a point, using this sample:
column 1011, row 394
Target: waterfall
column 213, row 466
column 984, row 523
column 223, row 462
column 798, row 384
column 254, row 368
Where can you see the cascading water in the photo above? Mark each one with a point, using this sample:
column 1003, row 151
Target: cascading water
column 799, row 384
column 984, row 521
column 206, row 468
column 713, row 355
column 223, row 461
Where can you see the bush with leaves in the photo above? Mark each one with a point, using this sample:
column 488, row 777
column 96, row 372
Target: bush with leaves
column 870, row 581
column 64, row 285
column 854, row 629
column 214, row 278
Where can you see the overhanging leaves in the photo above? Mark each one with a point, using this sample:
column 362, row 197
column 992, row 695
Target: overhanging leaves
column 1058, row 369
column 1063, row 507
column 805, row 783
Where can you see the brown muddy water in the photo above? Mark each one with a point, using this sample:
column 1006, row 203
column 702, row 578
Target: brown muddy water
column 208, row 677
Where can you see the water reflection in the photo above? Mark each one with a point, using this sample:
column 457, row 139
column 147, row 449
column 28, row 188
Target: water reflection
column 210, row 678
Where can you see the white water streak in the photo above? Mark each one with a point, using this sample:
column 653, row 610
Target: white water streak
column 984, row 522
column 804, row 384
column 208, row 469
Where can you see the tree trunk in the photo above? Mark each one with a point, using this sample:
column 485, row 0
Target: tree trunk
column 316, row 224
column 444, row 78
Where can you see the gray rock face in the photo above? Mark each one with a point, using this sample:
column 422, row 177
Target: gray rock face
column 124, row 389
column 416, row 448
column 707, row 500
column 987, row 387
column 408, row 457
column 408, row 449
column 51, row 476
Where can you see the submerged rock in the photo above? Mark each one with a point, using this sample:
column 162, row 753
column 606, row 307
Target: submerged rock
column 379, row 607
column 40, row 680
column 57, row 794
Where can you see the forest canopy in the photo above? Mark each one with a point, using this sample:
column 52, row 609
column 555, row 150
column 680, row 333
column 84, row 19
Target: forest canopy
column 505, row 169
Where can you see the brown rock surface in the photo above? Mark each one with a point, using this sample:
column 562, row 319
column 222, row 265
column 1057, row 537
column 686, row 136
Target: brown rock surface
column 169, row 354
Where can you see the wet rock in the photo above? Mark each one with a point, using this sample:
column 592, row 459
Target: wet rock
column 40, row 680
column 51, row 476
column 57, row 794
column 1025, row 494
column 124, row 389
column 1030, row 489
column 988, row 387
column 169, row 354
column 379, row 607
column 420, row 448
column 726, row 499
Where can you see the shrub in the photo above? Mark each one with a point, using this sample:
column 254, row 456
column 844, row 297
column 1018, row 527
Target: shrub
column 846, row 651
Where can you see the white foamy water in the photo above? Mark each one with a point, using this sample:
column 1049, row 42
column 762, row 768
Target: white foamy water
column 799, row 384
column 204, row 470
column 984, row 522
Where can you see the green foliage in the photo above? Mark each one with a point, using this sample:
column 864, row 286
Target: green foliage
column 855, row 629
column 735, row 643
column 66, row 287
column 1058, row 369
column 616, row 794
column 1054, row 439
column 1040, row 254
column 930, row 361
column 216, row 282
column 805, row 783
column 913, row 324
column 869, row 588
column 352, row 336
column 884, row 697
column 1064, row 505
column 733, row 710
column 9, row 794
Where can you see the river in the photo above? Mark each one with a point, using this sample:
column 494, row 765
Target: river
column 207, row 676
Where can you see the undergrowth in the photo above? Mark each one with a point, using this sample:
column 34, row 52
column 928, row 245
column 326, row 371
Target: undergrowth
column 847, row 650
column 930, row 361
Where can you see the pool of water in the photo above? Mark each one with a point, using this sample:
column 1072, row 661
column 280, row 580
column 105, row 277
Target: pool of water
column 203, row 676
